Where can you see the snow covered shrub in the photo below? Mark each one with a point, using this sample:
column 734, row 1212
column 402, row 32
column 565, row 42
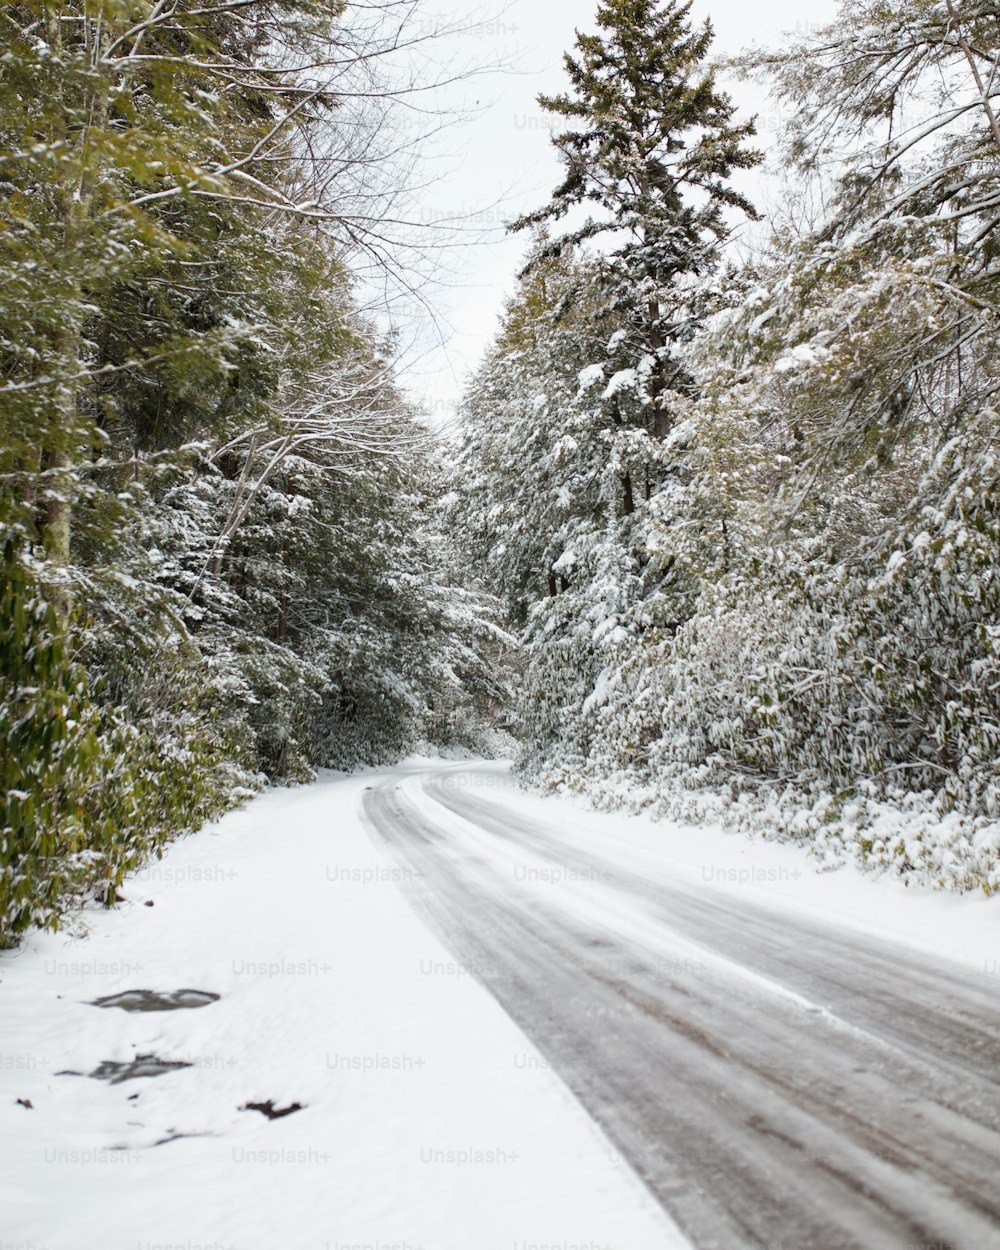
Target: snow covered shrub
column 88, row 788
column 933, row 641
column 826, row 699
column 51, row 757
column 571, row 643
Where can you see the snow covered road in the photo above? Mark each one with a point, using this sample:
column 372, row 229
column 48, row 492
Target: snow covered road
column 428, row 1121
column 510, row 1024
column 778, row 1080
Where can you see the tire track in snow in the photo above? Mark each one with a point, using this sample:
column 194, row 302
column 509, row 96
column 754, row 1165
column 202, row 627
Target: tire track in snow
column 754, row 1121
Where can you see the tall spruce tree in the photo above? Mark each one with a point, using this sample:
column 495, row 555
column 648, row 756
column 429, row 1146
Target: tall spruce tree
column 649, row 147
column 649, row 150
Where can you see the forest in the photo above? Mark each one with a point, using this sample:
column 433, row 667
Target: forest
column 741, row 502
column 224, row 559
column 715, row 532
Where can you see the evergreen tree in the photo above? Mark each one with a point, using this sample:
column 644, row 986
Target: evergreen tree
column 575, row 408
column 530, row 472
column 649, row 150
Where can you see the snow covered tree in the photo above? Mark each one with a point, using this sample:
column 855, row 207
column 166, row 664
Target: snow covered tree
column 905, row 99
column 225, row 564
column 649, row 149
column 570, row 423
column 531, row 459
column 119, row 139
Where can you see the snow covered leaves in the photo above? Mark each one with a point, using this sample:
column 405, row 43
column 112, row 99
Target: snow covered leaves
column 750, row 531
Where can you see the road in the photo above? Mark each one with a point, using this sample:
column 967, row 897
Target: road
column 777, row 1082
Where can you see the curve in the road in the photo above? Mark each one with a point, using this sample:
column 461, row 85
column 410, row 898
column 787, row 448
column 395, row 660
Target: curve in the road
column 793, row 1086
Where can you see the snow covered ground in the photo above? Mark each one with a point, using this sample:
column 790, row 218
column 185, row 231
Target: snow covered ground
column 964, row 927
column 785, row 1060
column 429, row 1121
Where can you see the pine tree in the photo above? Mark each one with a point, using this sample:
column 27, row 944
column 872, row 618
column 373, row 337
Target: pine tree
column 531, row 469
column 575, row 408
column 650, row 147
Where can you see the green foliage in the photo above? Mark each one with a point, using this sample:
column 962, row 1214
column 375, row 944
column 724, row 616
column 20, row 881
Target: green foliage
column 88, row 789
column 51, row 757
column 228, row 570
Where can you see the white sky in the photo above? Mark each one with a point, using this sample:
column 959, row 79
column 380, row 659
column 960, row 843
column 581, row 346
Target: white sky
column 499, row 162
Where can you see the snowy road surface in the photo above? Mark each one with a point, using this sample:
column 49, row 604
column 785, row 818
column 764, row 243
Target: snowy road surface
column 428, row 1121
column 777, row 1081
column 510, row 1024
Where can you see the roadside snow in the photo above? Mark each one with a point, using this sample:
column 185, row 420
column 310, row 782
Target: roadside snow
column 962, row 927
column 429, row 1120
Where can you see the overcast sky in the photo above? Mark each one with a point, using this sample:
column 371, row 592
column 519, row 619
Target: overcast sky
column 499, row 162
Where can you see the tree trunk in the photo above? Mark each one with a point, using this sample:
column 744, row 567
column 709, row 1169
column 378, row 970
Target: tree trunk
column 661, row 422
column 75, row 197
column 283, row 617
column 283, row 600
column 661, row 419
